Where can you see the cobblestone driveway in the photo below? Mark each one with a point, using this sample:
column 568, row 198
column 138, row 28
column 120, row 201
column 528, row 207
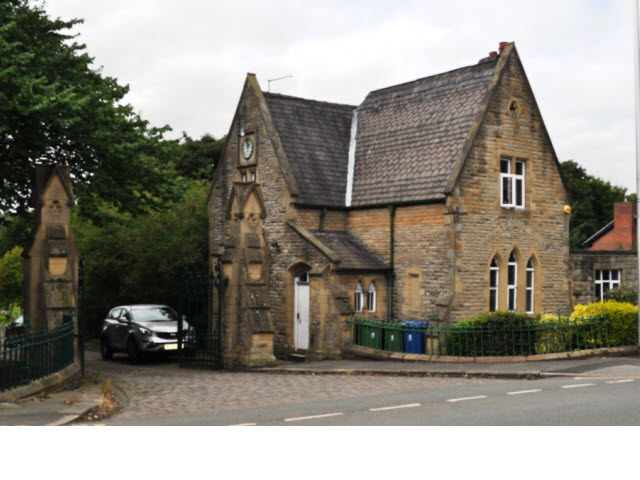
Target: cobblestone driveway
column 159, row 387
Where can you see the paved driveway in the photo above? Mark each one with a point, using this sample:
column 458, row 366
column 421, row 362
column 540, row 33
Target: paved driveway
column 159, row 387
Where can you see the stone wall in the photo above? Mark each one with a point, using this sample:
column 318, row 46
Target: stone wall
column 485, row 229
column 584, row 263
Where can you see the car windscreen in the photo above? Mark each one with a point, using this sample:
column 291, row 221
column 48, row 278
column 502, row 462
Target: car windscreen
column 154, row 314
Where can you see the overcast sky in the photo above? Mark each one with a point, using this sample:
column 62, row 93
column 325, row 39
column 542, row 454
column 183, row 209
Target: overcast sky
column 186, row 60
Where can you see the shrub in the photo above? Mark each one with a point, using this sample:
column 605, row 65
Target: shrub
column 621, row 320
column 563, row 334
column 492, row 334
column 623, row 293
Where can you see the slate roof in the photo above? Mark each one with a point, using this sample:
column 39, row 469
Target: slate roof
column 409, row 139
column 410, row 136
column 592, row 239
column 354, row 254
column 315, row 136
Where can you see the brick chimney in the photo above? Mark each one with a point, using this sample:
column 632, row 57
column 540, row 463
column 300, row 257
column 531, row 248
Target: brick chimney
column 624, row 225
column 623, row 235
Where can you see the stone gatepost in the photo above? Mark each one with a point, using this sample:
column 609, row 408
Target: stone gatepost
column 51, row 257
column 247, row 326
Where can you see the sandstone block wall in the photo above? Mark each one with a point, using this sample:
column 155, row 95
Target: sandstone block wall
column 539, row 231
column 584, row 264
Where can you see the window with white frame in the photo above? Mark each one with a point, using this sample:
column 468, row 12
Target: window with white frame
column 494, row 281
column 605, row 281
column 371, row 297
column 531, row 271
column 512, row 283
column 512, row 182
column 358, row 297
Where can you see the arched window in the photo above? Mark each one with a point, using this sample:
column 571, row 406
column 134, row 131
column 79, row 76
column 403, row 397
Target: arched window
column 512, row 283
column 531, row 271
column 357, row 298
column 371, row 297
column 494, row 281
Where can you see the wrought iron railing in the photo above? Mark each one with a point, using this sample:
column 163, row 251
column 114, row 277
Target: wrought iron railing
column 468, row 340
column 26, row 356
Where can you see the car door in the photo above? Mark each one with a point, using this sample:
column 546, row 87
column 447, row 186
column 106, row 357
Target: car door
column 124, row 321
column 111, row 327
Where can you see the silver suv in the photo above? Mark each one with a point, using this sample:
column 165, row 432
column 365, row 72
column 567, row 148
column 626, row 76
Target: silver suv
column 139, row 329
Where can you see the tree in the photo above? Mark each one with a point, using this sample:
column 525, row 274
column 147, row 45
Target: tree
column 56, row 108
column 139, row 259
column 593, row 200
column 14, row 232
column 197, row 159
column 11, row 278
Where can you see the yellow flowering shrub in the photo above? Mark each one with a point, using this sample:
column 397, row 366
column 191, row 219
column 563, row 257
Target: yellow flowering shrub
column 621, row 320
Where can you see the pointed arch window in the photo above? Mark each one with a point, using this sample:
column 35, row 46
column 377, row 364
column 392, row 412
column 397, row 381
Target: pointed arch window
column 371, row 297
column 512, row 283
column 531, row 272
column 358, row 297
column 494, row 282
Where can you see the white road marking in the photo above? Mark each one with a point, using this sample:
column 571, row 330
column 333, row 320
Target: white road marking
column 621, row 381
column 524, row 391
column 312, row 417
column 243, row 425
column 579, row 385
column 409, row 405
column 466, row 398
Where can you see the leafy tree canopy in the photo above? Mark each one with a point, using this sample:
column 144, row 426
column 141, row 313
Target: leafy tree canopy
column 56, row 108
column 139, row 259
column 593, row 200
column 11, row 277
column 197, row 159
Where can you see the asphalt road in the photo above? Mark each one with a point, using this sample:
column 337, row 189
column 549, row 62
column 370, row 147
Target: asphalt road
column 158, row 392
column 553, row 401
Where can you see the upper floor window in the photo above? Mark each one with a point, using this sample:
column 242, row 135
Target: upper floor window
column 371, row 297
column 512, row 283
column 494, row 280
column 358, row 297
column 605, row 281
column 512, row 182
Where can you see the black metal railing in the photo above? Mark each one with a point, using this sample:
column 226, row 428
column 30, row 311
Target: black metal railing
column 26, row 356
column 468, row 340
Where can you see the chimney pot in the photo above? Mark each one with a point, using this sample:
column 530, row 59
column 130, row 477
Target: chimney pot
column 493, row 54
column 502, row 45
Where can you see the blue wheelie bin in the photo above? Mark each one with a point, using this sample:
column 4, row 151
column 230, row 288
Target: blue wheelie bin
column 414, row 336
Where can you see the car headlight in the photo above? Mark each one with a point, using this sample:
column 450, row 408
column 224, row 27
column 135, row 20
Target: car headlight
column 145, row 331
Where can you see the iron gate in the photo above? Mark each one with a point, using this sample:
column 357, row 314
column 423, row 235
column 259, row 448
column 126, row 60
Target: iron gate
column 199, row 339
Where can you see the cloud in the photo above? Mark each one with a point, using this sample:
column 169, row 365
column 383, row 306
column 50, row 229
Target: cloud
column 186, row 61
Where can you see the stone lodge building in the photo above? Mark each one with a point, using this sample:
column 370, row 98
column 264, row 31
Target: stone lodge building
column 437, row 197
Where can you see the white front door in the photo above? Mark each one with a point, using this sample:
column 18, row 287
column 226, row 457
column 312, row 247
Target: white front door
column 301, row 312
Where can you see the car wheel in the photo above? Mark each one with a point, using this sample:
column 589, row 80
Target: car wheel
column 105, row 351
column 132, row 350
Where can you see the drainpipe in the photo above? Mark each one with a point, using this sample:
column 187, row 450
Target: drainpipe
column 391, row 274
column 322, row 215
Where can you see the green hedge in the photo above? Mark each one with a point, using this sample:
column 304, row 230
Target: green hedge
column 493, row 334
column 623, row 293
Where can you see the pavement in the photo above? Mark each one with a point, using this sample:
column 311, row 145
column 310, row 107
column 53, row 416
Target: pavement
column 69, row 406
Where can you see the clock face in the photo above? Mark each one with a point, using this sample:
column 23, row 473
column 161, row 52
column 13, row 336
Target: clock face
column 247, row 148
